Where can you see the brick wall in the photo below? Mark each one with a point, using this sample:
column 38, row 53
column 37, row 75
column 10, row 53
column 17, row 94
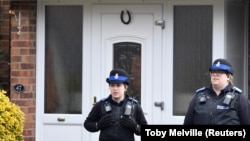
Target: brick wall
column 23, row 62
column 5, row 45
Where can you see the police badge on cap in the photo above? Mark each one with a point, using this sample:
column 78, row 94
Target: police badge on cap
column 118, row 76
column 222, row 64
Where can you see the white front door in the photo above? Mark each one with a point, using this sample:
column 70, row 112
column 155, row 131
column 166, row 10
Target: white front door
column 117, row 44
column 126, row 36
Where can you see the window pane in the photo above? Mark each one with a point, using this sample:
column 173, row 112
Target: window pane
column 192, row 53
column 63, row 60
column 127, row 55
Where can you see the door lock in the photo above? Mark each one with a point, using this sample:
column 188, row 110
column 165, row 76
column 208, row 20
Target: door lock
column 160, row 104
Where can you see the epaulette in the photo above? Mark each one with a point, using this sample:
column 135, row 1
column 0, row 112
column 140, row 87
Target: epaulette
column 237, row 89
column 133, row 100
column 200, row 90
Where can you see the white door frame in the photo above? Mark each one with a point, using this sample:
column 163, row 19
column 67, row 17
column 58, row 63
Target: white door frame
column 166, row 57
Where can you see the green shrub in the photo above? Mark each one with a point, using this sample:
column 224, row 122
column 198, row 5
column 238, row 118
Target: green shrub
column 11, row 120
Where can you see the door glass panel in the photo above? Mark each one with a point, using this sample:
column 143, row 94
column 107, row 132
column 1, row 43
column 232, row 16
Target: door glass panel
column 192, row 53
column 63, row 59
column 127, row 55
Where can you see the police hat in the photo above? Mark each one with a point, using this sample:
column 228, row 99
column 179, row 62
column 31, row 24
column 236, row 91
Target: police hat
column 118, row 76
column 222, row 64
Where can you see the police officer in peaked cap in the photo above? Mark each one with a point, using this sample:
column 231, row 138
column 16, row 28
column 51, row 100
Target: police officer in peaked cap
column 222, row 64
column 118, row 117
column 221, row 103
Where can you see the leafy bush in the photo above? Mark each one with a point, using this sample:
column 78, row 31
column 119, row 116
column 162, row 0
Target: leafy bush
column 11, row 120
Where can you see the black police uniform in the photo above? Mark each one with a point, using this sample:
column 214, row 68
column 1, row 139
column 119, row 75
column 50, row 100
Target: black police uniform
column 116, row 132
column 208, row 108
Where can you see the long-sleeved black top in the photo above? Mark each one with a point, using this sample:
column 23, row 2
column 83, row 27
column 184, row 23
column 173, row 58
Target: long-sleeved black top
column 213, row 111
column 116, row 132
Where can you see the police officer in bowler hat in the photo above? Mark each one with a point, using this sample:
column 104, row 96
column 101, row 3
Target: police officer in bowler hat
column 221, row 103
column 118, row 117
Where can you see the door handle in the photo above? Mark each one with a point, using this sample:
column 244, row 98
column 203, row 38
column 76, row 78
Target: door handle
column 160, row 23
column 160, row 104
column 61, row 119
column 94, row 100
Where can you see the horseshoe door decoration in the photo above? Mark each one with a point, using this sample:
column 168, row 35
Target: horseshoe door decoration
column 122, row 17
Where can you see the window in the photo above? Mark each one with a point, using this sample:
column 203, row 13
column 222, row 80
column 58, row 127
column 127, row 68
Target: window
column 127, row 55
column 63, row 59
column 192, row 52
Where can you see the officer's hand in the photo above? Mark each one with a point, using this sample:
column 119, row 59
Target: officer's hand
column 105, row 122
column 129, row 122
